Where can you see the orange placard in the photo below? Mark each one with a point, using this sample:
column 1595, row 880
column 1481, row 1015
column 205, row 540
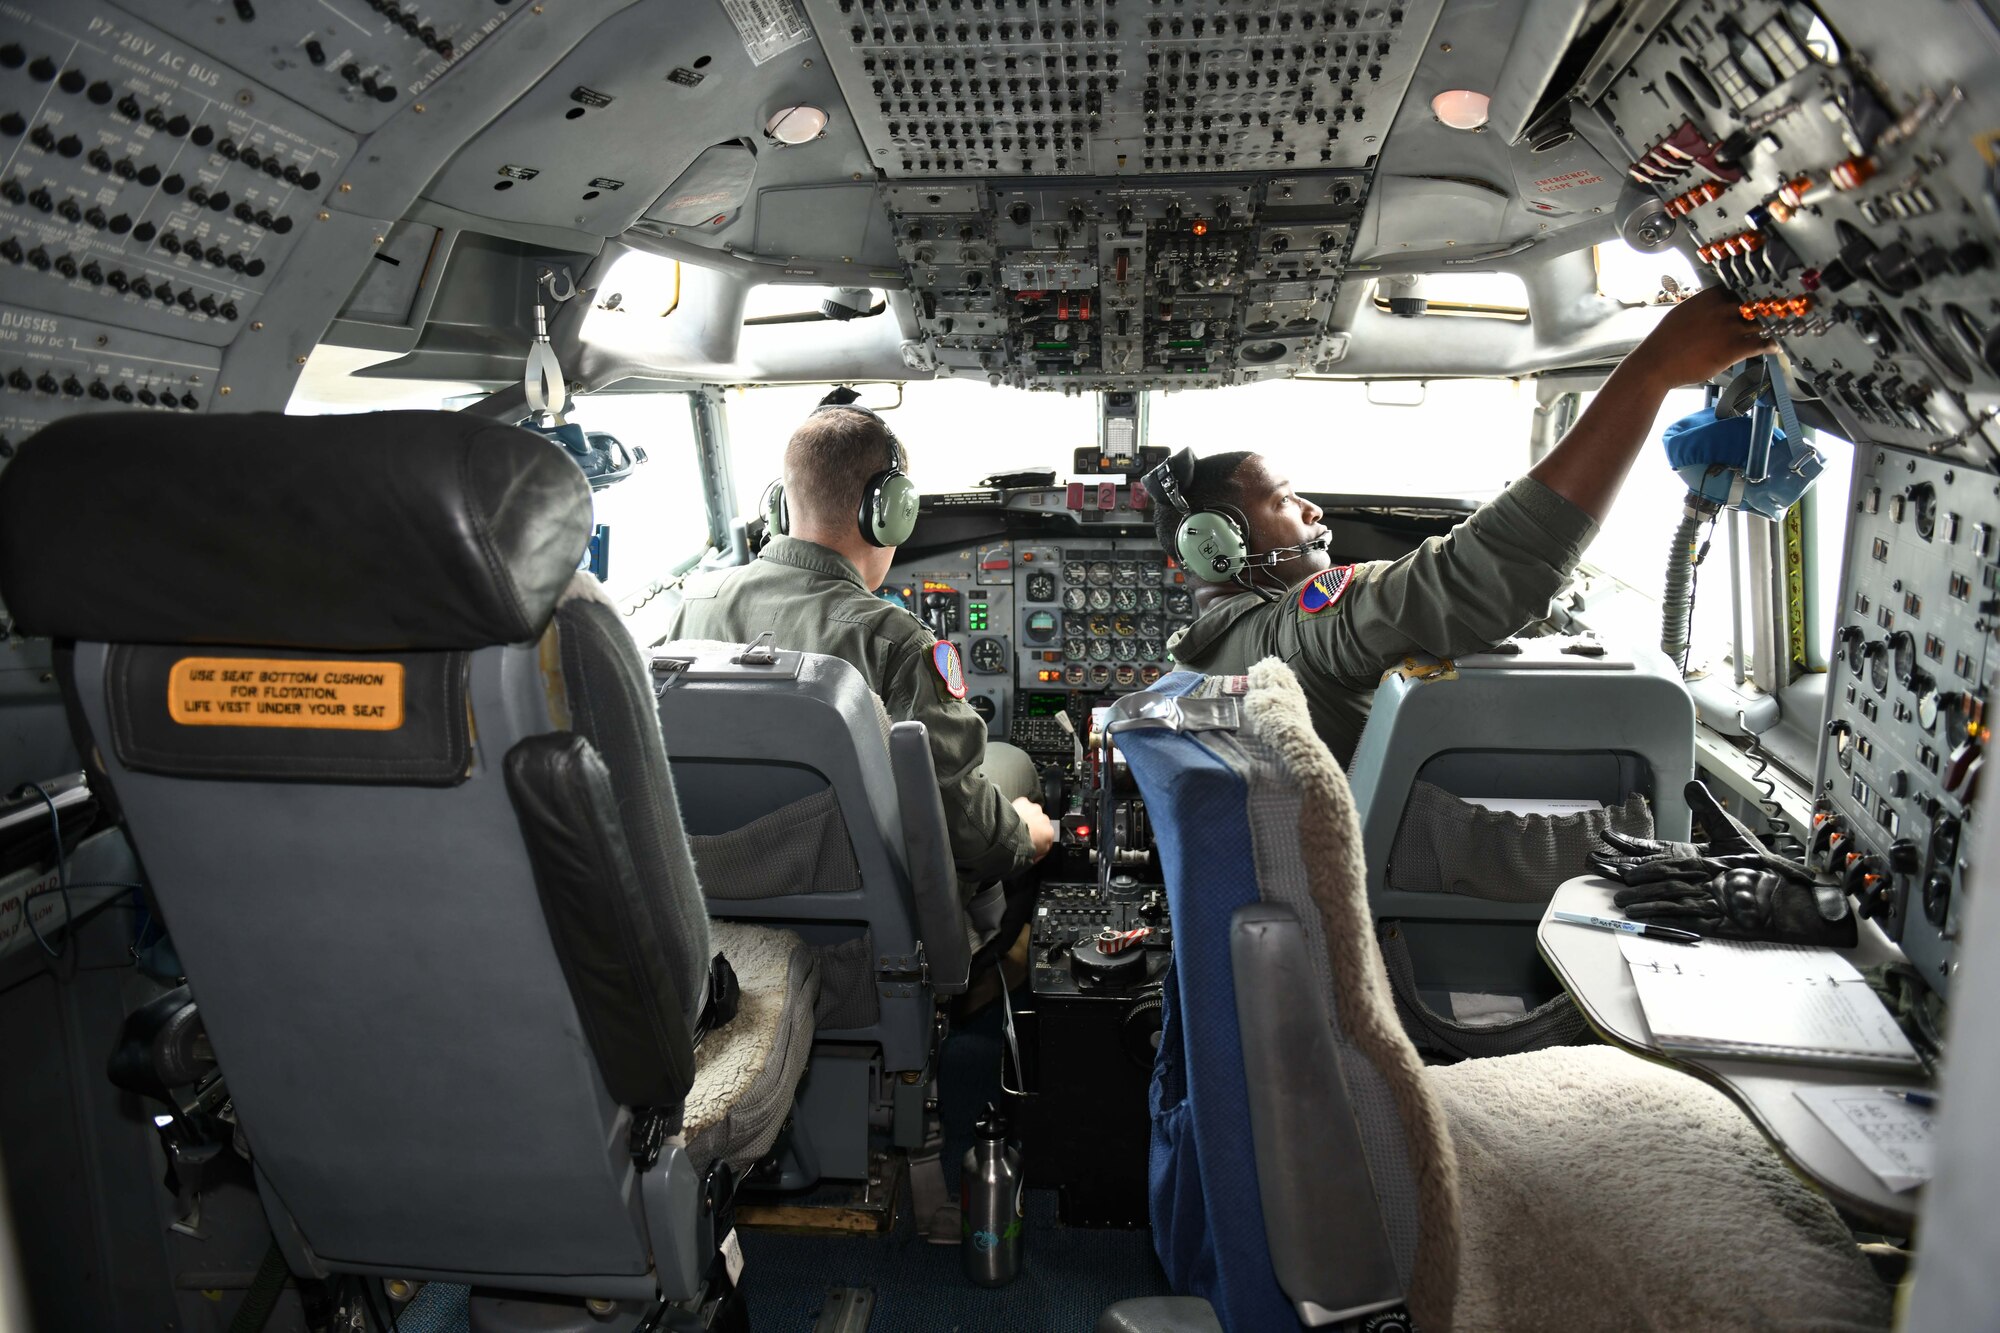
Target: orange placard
column 272, row 692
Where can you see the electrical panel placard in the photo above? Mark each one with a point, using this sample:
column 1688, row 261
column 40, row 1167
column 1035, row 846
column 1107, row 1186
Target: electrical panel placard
column 145, row 184
column 355, row 62
column 55, row 366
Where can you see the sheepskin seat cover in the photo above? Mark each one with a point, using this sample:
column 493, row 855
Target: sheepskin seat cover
column 1569, row 1188
column 746, row 1072
column 1600, row 1190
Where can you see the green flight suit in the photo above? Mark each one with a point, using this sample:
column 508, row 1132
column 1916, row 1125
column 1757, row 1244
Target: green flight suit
column 1456, row 594
column 813, row 601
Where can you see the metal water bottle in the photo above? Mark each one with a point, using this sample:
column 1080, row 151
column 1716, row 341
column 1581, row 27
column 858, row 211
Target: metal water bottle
column 990, row 1204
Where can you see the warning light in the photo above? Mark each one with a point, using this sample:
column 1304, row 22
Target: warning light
column 1083, row 830
column 1200, row 228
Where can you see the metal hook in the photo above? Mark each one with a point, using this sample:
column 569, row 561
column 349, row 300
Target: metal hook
column 566, row 292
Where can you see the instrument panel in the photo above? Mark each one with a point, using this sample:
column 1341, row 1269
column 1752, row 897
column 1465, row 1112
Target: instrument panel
column 1049, row 623
column 1906, row 725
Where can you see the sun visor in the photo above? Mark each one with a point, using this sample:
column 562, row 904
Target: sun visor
column 710, row 193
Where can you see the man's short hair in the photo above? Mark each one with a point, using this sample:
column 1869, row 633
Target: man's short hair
column 828, row 459
column 1213, row 486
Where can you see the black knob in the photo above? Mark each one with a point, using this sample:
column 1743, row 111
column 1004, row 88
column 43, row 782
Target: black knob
column 1937, row 898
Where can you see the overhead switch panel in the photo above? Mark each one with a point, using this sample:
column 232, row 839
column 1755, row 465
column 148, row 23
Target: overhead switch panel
column 1098, row 87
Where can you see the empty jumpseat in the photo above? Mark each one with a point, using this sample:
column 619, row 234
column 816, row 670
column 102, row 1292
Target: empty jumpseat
column 392, row 769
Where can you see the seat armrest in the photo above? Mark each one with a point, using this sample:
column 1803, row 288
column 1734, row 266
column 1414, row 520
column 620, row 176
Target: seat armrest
column 1321, row 1217
column 927, row 847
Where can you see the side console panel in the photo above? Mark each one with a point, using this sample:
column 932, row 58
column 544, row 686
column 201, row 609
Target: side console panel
column 1841, row 174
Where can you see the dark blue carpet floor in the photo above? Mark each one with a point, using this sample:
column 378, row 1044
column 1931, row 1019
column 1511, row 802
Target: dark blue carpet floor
column 1069, row 1274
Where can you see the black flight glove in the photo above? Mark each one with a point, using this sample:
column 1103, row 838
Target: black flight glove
column 1731, row 887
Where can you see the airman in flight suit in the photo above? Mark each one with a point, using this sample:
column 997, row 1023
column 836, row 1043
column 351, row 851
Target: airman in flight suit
column 814, row 590
column 1341, row 626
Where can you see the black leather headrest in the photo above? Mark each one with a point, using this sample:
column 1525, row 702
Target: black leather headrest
column 387, row 530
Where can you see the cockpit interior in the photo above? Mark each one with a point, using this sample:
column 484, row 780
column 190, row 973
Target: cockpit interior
column 446, row 885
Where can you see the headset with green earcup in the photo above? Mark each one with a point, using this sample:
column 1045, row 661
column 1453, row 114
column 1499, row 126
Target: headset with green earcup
column 888, row 504
column 1210, row 545
column 777, row 514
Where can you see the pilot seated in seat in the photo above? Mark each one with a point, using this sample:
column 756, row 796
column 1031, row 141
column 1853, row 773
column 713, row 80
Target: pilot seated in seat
column 1267, row 586
column 845, row 506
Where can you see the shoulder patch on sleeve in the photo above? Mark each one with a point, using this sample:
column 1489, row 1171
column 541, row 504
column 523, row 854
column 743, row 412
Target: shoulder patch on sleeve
column 944, row 657
column 1326, row 589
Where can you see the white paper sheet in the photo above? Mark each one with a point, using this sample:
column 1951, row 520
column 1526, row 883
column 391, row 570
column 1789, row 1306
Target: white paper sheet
column 1891, row 1137
column 1765, row 1001
column 1530, row 805
column 1738, row 958
column 1477, row 1009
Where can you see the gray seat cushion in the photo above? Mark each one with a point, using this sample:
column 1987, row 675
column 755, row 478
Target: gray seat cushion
column 1160, row 1314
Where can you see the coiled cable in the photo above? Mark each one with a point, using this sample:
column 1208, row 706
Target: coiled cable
column 1780, row 836
column 1683, row 558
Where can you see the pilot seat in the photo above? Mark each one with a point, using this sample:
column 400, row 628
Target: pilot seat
column 438, row 912
column 806, row 807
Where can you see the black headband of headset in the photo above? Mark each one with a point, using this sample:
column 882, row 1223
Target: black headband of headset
column 1168, row 482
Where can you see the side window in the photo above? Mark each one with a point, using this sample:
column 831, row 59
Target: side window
column 1632, row 547
column 657, row 516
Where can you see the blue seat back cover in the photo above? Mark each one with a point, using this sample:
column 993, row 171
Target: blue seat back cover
column 1207, row 1212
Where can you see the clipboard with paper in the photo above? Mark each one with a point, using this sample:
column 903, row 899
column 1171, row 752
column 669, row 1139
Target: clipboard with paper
column 1764, row 1001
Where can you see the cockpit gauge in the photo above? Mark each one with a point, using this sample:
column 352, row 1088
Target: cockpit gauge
column 1100, row 627
column 896, row 596
column 1100, row 676
column 1075, row 598
column 1126, row 675
column 1125, row 627
column 1151, row 573
column 989, row 656
column 1877, row 654
column 1149, row 626
column 1100, row 650
column 1040, row 627
column 1076, row 649
column 1075, row 627
column 1149, row 599
column 982, row 706
column 1075, row 574
column 1126, row 649
column 1128, row 572
column 1927, row 709
column 1100, row 573
column 1149, row 674
column 1100, row 599
column 1075, row 674
column 1180, row 602
column 1125, row 599
column 1903, row 657
column 1041, row 586
column 1151, row 648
